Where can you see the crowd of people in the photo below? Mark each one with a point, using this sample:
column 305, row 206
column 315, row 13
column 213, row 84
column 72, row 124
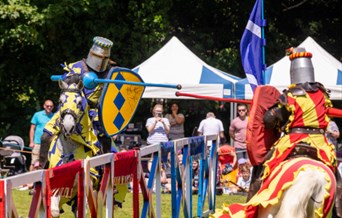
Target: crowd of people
column 171, row 127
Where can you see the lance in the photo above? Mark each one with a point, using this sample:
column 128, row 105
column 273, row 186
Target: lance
column 90, row 80
column 332, row 112
column 214, row 98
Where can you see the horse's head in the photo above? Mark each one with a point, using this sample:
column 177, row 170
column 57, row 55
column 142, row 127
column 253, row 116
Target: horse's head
column 72, row 105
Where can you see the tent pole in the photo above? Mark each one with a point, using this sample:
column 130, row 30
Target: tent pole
column 232, row 116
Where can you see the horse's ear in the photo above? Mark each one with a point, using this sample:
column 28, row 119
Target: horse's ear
column 62, row 84
column 80, row 85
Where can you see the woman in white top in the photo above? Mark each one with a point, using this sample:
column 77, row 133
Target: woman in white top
column 157, row 126
column 176, row 120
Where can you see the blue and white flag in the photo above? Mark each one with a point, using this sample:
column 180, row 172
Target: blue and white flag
column 251, row 47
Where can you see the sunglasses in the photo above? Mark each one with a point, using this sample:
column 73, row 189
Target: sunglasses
column 242, row 110
column 49, row 106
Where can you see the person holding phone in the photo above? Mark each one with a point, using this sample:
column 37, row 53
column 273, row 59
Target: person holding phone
column 157, row 126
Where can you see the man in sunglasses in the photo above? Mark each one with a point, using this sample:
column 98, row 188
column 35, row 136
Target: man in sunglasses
column 38, row 122
column 237, row 131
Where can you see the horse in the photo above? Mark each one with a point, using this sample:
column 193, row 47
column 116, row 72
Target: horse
column 76, row 139
column 298, row 187
column 306, row 188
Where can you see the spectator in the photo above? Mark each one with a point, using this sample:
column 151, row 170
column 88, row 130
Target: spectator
column 242, row 162
column 166, row 167
column 227, row 155
column 176, row 120
column 157, row 126
column 332, row 133
column 211, row 126
column 195, row 176
column 227, row 163
column 180, row 160
column 165, row 178
column 236, row 186
column 237, row 131
column 245, row 180
column 228, row 167
column 38, row 123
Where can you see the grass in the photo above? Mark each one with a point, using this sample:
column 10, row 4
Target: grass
column 22, row 201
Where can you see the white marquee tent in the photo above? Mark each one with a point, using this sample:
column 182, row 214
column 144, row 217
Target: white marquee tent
column 328, row 71
column 174, row 63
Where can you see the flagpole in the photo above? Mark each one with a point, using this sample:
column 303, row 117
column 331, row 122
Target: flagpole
column 263, row 46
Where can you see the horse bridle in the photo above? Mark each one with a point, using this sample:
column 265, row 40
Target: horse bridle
column 317, row 202
column 68, row 110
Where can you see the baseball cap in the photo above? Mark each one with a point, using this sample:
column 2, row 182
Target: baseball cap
column 242, row 161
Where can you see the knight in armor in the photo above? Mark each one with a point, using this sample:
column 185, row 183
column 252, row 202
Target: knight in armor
column 98, row 61
column 301, row 114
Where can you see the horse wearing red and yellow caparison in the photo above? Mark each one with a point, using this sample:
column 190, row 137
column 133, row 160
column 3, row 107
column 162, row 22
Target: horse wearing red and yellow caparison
column 294, row 175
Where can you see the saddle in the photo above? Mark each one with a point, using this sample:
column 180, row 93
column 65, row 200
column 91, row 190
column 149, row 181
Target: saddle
column 303, row 150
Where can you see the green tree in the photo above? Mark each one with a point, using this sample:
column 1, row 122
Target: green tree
column 37, row 36
column 20, row 45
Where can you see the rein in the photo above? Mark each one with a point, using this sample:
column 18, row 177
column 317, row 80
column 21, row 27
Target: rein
column 68, row 111
column 318, row 202
column 71, row 90
column 69, row 157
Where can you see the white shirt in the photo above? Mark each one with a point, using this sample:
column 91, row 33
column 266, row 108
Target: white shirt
column 210, row 126
column 244, row 184
column 158, row 134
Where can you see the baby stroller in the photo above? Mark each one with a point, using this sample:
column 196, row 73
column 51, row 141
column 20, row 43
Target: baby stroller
column 12, row 162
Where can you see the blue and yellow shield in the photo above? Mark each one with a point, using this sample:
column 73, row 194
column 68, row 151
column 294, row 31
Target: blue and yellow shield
column 119, row 101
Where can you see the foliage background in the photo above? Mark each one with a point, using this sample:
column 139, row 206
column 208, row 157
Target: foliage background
column 37, row 36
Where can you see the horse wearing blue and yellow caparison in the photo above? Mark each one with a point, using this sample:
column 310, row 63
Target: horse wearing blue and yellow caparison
column 76, row 139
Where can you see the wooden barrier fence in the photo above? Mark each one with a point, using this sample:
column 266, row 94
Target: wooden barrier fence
column 181, row 181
